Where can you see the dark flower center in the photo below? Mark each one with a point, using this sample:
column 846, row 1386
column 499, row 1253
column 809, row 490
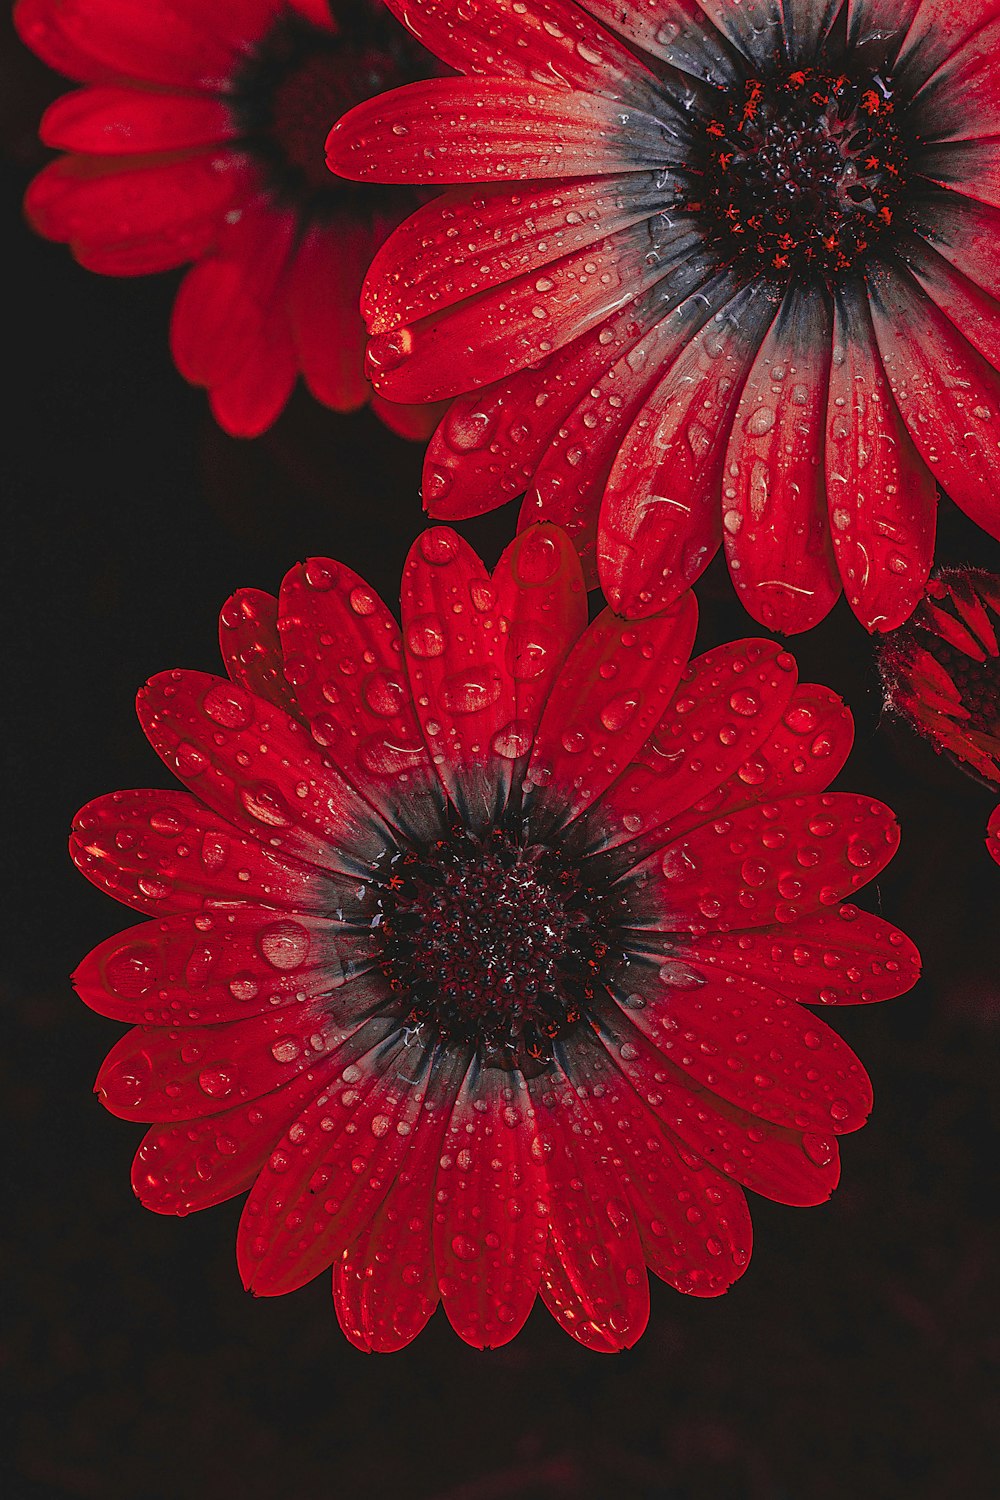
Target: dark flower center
column 803, row 172
column 493, row 943
column 301, row 78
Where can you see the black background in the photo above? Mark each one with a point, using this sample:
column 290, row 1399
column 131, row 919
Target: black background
column 856, row 1357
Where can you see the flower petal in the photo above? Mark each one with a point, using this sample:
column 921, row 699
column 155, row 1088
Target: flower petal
column 329, row 333
column 343, row 654
column 224, row 302
column 660, row 521
column 37, row 24
column 507, row 327
column 594, row 1282
column 693, row 1223
column 780, row 1164
column 974, row 313
column 125, row 216
column 612, row 691
column 453, row 639
column 878, row 27
column 113, row 121
column 257, row 767
column 251, row 649
column 151, row 41
column 841, row 957
column 764, row 863
column 540, row 594
column 165, row 853
column 470, row 239
column 210, row 967
column 961, row 98
column 677, row 32
column 972, row 168
column 948, row 395
column 489, row 129
column 939, row 31
column 882, row 497
column 776, row 531
column 726, row 704
column 252, row 396
column 180, row 1169
column 966, row 233
column 491, row 1214
column 334, row 1167
column 537, row 40
column 756, row 27
column 186, row 1073
column 993, row 835
column 754, row 1048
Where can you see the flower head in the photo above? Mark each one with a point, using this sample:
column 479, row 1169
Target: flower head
column 480, row 949
column 727, row 275
column 942, row 669
column 198, row 136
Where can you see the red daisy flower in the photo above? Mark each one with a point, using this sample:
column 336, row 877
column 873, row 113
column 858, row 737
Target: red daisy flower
column 941, row 671
column 480, row 948
column 993, row 835
column 731, row 276
column 199, row 137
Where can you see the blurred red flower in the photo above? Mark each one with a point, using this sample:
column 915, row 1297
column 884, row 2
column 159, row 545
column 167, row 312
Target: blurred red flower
column 199, row 137
column 480, row 949
column 730, row 277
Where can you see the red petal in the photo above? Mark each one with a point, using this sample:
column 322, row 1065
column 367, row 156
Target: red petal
column 726, row 704
column 948, row 395
column 37, row 24
column 334, row 1167
column 343, row 655
column 962, row 98
column 491, row 1214
column 755, row 27
column 882, row 497
column 676, row 31
column 151, row 41
column 413, row 422
column 117, row 121
column 216, row 966
column 253, row 396
column 326, row 278
column 777, row 1163
column 570, row 481
column 939, row 31
column 842, row 957
column 505, row 328
column 594, row 1282
column 993, row 835
column 754, row 1048
column 251, row 650
column 537, row 39
column 769, row 862
column 776, row 531
column 454, row 641
column 975, row 314
column 187, row 1073
column 180, row 1169
column 693, row 1222
column 970, row 167
column 540, row 594
column 880, row 22
column 468, row 240
column 125, row 216
column 490, row 442
column 660, row 522
column 241, row 22
column 223, row 304
column 967, row 233
column 257, row 767
column 488, row 129
column 607, row 699
column 164, row 852
column 385, row 1286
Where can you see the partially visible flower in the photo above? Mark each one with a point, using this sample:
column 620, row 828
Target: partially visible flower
column 941, row 670
column 993, row 835
column 480, row 952
column 199, row 137
column 730, row 277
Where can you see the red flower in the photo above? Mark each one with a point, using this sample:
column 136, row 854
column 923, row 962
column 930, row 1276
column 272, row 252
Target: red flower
column 993, row 835
column 198, row 137
column 730, row 277
column 942, row 669
column 478, row 953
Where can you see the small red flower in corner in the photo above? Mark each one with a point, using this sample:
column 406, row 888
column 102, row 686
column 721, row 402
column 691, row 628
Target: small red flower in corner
column 480, row 950
column 198, row 136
